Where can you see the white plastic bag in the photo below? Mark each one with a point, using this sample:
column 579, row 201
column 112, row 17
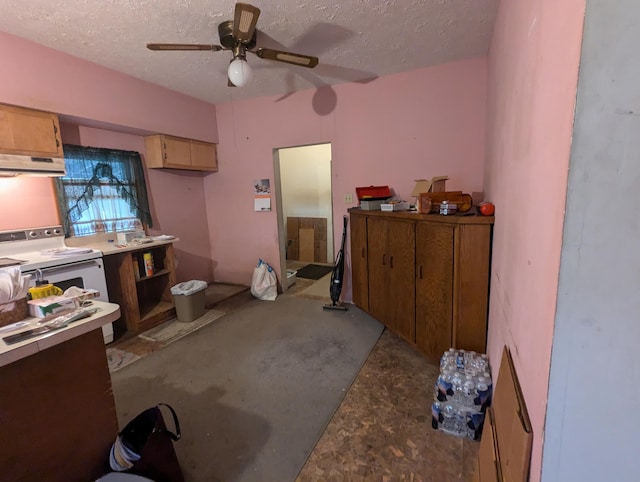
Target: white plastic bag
column 188, row 287
column 264, row 284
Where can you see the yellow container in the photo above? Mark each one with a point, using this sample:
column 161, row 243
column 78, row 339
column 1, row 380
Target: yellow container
column 44, row 291
column 148, row 264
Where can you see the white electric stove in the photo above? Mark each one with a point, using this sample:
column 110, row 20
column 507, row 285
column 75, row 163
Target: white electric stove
column 42, row 253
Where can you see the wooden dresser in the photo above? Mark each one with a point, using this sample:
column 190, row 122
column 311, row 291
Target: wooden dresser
column 424, row 276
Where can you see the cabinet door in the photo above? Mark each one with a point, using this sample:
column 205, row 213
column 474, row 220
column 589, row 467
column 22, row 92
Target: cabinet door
column 177, row 152
column 359, row 271
column 203, row 156
column 434, row 288
column 29, row 132
column 377, row 265
column 391, row 265
column 471, row 286
column 401, row 278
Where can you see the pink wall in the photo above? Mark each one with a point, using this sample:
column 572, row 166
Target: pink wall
column 532, row 82
column 27, row 202
column 45, row 79
column 172, row 194
column 388, row 132
column 89, row 95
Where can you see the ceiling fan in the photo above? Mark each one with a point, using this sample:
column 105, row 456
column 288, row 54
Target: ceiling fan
column 239, row 36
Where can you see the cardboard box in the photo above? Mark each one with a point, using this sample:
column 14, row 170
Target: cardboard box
column 511, row 431
column 488, row 469
column 435, row 184
column 52, row 305
column 395, row 206
column 43, row 307
column 127, row 237
column 430, row 202
column 291, row 277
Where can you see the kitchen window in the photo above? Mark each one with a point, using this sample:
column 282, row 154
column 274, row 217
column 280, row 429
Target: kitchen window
column 103, row 191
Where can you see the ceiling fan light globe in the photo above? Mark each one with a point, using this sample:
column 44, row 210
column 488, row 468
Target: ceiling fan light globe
column 239, row 72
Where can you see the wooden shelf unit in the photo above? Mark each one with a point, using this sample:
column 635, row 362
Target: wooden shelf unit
column 424, row 276
column 145, row 301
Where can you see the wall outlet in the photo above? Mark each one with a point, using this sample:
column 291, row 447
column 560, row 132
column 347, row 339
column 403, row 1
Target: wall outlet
column 348, row 198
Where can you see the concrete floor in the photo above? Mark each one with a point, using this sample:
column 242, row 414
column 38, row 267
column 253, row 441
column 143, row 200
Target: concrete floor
column 382, row 430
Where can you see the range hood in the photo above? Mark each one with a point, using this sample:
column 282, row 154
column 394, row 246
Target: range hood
column 18, row 165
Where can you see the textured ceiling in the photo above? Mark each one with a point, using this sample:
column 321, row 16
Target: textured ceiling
column 355, row 40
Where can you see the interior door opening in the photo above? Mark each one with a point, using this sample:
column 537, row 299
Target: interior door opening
column 305, row 206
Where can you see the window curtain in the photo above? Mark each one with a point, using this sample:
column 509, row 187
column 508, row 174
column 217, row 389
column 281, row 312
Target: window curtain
column 104, row 190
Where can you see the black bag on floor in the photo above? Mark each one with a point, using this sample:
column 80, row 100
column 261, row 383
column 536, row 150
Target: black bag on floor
column 145, row 447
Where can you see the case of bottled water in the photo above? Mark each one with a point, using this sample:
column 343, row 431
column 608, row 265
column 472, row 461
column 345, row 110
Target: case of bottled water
column 462, row 393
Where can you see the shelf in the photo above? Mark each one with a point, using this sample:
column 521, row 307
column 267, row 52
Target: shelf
column 152, row 315
column 147, row 301
column 151, row 310
column 162, row 272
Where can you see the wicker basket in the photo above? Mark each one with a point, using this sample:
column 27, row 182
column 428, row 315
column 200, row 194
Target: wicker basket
column 13, row 311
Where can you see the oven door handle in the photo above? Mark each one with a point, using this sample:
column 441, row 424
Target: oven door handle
column 65, row 267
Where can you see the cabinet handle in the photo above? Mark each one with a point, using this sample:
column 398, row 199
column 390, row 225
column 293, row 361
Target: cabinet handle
column 384, row 259
column 391, row 261
column 55, row 134
column 420, row 272
column 362, row 252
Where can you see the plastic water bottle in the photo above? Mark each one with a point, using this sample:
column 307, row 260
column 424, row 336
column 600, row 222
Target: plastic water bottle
column 447, row 361
column 483, row 393
column 460, row 422
column 469, row 392
column 436, row 414
column 445, row 386
column 448, row 413
column 482, row 363
column 457, row 386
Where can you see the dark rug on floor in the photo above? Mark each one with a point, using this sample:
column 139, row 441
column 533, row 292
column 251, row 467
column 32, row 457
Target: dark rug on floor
column 313, row 271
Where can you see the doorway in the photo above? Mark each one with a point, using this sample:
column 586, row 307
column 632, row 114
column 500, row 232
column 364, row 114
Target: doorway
column 305, row 207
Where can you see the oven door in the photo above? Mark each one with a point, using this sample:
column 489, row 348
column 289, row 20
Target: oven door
column 87, row 274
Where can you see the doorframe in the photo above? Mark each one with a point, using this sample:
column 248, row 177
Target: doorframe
column 282, row 234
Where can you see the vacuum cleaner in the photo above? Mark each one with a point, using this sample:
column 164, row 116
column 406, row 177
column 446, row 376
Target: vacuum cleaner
column 337, row 275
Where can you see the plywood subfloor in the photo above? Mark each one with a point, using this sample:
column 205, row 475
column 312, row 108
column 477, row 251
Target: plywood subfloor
column 382, row 430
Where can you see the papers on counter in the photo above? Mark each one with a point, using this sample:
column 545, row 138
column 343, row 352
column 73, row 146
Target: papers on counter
column 60, row 252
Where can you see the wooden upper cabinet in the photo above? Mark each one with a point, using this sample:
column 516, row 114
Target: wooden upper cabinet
column 29, row 132
column 204, row 155
column 179, row 153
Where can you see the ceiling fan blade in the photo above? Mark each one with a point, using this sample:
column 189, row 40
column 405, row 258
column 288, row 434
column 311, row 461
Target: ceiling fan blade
column 288, row 57
column 214, row 48
column 244, row 22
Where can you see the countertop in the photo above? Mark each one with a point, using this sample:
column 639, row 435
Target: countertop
column 108, row 243
column 108, row 248
column 108, row 313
